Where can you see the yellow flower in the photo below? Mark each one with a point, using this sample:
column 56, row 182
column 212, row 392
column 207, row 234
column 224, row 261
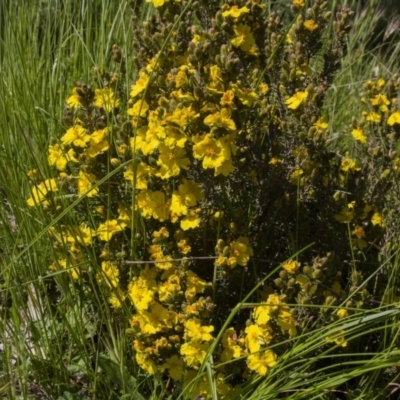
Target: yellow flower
column 221, row 120
column 140, row 295
column 194, row 284
column 246, row 96
column 143, row 360
column 40, row 191
column 229, row 343
column 346, row 214
column 263, row 88
column 244, row 39
column 105, row 98
column 381, row 101
column 211, row 151
column 140, row 84
column 140, row 108
column 159, row 206
column 81, row 234
column 377, row 219
column 298, row 3
column 182, row 200
column 148, row 138
column 76, row 135
column 156, row 3
column 373, row 117
column 56, row 157
column 394, row 118
column 358, row 134
column 227, row 99
column 190, row 221
column 196, row 332
column 254, row 338
column 261, row 362
column 194, row 353
column 240, row 252
column 291, row 266
column 286, row 321
column 275, row 161
column 174, row 365
column 73, row 100
column 171, row 160
column 296, row 100
column 235, row 12
column 349, row 164
column 183, row 246
column 183, row 116
column 335, row 338
column 262, row 314
column 175, row 137
column 310, row 25
column 85, row 183
column 106, row 230
column 65, row 264
column 110, row 273
column 138, row 175
column 321, row 124
column 341, row 313
column 358, row 232
column 295, row 176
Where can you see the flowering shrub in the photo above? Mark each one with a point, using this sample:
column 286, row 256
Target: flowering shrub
column 210, row 170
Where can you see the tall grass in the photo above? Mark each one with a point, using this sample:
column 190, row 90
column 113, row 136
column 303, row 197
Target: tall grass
column 64, row 343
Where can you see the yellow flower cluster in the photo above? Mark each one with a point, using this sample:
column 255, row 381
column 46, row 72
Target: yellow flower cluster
column 223, row 136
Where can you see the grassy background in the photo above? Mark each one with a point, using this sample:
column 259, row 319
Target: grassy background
column 72, row 348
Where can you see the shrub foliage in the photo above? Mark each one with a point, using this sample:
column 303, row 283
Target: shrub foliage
column 214, row 171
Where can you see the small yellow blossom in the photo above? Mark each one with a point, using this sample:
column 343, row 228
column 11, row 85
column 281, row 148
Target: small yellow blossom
column 291, row 266
column 358, row 134
column 106, row 230
column 296, row 100
column 143, row 360
column 140, row 108
column 221, row 119
column 56, row 157
column 254, row 338
column 196, row 332
column 373, row 117
column 377, row 219
column 381, row 101
column 341, row 313
column 240, row 252
column 394, row 118
column 105, row 98
column 174, row 365
column 261, row 362
column 244, row 39
column 140, row 84
column 190, row 221
column 73, row 100
column 171, row 161
column 40, row 191
column 77, row 136
column 349, row 164
column 235, row 12
column 310, row 25
column 156, row 3
column 346, row 214
column 337, row 338
column 85, row 181
column 194, row 353
column 321, row 124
